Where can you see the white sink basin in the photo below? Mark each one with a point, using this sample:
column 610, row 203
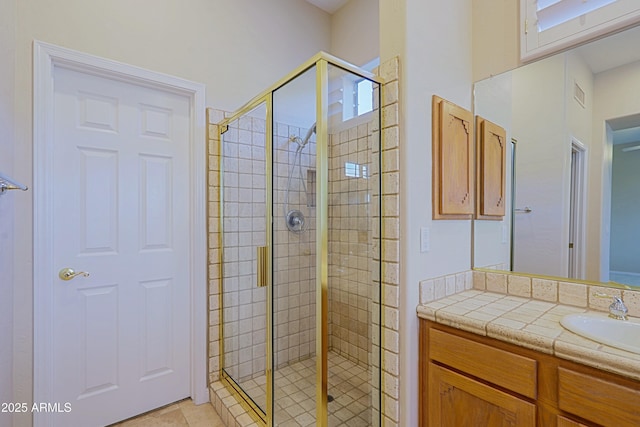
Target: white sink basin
column 623, row 334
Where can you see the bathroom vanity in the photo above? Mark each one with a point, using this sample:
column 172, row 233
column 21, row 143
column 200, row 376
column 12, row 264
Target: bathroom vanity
column 482, row 372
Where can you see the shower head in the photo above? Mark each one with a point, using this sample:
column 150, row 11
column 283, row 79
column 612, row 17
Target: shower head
column 302, row 142
column 310, row 132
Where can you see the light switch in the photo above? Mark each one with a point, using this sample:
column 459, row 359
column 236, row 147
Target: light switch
column 424, row 239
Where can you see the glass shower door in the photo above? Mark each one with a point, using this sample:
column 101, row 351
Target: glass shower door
column 326, row 249
column 294, row 252
column 353, row 211
column 300, row 233
column 244, row 275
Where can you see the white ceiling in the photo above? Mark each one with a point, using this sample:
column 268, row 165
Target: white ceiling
column 612, row 51
column 329, row 6
column 608, row 53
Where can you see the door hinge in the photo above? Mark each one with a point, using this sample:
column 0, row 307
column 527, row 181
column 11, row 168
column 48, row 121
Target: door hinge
column 526, row 26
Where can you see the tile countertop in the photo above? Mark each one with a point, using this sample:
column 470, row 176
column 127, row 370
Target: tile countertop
column 528, row 323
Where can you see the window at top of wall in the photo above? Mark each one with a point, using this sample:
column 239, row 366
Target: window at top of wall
column 358, row 94
column 549, row 26
column 364, row 96
column 355, row 170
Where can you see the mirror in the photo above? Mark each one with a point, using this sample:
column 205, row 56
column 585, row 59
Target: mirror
column 573, row 172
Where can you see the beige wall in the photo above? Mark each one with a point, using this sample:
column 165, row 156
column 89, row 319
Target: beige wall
column 538, row 90
column 7, row 202
column 495, row 37
column 493, row 101
column 355, row 32
column 257, row 42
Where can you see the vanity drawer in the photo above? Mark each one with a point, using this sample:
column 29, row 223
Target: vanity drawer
column 502, row 368
column 598, row 400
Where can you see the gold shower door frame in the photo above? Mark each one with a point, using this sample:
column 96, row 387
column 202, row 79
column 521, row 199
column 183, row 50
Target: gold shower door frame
column 245, row 400
column 321, row 61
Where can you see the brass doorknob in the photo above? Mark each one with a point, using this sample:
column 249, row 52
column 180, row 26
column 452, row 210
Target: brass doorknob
column 69, row 273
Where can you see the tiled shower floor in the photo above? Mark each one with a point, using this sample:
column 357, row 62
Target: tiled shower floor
column 295, row 404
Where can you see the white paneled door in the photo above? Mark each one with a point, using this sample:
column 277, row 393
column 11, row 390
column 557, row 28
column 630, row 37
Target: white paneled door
column 120, row 336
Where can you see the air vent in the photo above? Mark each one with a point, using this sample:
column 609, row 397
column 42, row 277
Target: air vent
column 578, row 94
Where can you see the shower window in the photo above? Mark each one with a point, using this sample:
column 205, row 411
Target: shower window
column 364, row 97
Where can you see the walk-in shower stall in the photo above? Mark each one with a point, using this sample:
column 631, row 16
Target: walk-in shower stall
column 300, row 209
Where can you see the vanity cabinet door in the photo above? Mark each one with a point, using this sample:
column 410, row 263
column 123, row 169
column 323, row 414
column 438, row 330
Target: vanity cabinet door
column 456, row 400
column 566, row 422
column 501, row 368
column 598, row 400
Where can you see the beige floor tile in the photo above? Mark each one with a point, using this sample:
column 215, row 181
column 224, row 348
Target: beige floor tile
column 173, row 418
column 180, row 414
column 201, row 416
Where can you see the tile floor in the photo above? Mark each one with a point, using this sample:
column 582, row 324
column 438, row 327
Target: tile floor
column 349, row 386
column 295, row 404
column 180, row 414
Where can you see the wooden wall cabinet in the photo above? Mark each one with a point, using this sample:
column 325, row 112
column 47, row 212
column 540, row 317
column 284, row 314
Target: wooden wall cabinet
column 491, row 164
column 467, row 379
column 453, row 180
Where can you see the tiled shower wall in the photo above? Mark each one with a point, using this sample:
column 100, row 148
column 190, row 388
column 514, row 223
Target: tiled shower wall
column 351, row 178
column 243, row 304
column 390, row 244
column 294, row 254
column 294, row 261
column 244, row 229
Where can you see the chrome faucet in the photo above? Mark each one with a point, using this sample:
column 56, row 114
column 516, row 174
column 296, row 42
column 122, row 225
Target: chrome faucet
column 617, row 309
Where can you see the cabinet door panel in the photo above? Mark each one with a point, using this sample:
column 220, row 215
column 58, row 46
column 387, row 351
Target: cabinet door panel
column 491, row 169
column 505, row 369
column 453, row 162
column 456, row 400
column 566, row 422
column 598, row 400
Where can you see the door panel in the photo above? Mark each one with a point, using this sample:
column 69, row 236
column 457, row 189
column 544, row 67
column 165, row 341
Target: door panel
column 98, row 340
column 121, row 336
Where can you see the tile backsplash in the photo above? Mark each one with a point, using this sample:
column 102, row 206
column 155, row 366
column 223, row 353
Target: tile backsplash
column 575, row 294
column 443, row 286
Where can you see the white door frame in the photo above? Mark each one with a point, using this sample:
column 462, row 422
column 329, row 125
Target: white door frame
column 577, row 222
column 46, row 58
